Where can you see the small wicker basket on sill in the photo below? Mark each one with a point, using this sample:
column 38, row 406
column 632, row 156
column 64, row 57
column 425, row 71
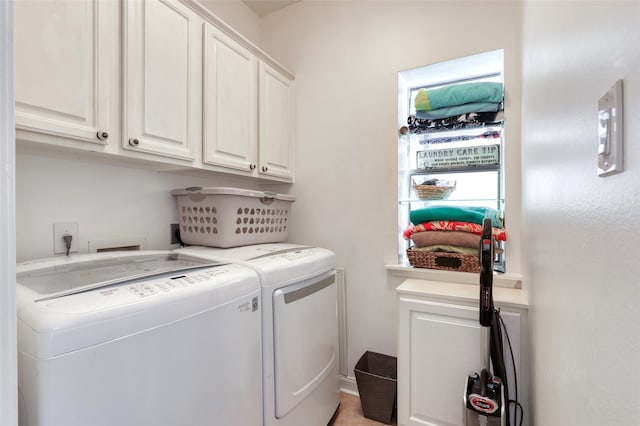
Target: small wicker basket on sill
column 443, row 260
column 434, row 192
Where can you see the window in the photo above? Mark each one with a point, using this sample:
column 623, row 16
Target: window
column 460, row 151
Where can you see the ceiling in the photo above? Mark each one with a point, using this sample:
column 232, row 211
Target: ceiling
column 265, row 7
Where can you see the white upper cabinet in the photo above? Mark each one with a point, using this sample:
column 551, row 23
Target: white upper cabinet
column 160, row 81
column 276, row 123
column 230, row 103
column 248, row 111
column 161, row 78
column 63, row 70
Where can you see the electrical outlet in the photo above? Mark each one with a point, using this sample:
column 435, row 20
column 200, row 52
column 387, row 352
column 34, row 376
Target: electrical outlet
column 60, row 230
column 175, row 234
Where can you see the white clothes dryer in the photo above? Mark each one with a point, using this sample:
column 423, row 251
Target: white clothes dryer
column 300, row 328
column 138, row 339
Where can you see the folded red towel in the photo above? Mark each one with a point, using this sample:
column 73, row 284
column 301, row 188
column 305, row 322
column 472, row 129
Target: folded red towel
column 451, row 225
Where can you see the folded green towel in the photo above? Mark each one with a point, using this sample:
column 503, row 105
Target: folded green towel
column 458, row 213
column 458, row 94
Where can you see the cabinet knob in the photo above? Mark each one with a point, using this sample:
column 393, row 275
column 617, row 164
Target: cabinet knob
column 134, row 142
column 103, row 136
column 265, row 168
column 252, row 166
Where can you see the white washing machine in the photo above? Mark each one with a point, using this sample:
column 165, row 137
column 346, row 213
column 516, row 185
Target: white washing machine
column 300, row 328
column 150, row 338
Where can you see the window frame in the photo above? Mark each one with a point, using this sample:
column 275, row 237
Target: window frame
column 486, row 66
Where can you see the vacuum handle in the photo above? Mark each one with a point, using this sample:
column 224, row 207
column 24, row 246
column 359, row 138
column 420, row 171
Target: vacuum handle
column 486, row 273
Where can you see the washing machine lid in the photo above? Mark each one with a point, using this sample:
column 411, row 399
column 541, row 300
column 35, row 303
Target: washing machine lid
column 163, row 288
column 60, row 277
column 276, row 263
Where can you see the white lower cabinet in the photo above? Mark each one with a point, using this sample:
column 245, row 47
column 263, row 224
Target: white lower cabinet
column 439, row 344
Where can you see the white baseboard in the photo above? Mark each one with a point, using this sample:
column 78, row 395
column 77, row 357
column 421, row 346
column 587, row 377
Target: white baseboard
column 348, row 385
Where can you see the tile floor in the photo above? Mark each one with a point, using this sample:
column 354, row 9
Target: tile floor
column 350, row 413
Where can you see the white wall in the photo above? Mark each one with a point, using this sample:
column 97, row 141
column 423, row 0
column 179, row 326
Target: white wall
column 8, row 354
column 581, row 230
column 346, row 56
column 107, row 200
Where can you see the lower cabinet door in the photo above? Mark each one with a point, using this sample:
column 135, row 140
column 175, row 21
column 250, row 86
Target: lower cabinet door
column 439, row 345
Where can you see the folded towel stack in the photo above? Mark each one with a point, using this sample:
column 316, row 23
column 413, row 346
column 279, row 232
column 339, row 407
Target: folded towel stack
column 471, row 214
column 457, row 99
column 452, row 229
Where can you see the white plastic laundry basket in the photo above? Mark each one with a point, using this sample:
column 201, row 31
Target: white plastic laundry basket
column 230, row 217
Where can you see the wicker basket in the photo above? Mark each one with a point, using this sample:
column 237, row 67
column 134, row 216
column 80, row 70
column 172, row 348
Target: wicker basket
column 443, row 260
column 433, row 192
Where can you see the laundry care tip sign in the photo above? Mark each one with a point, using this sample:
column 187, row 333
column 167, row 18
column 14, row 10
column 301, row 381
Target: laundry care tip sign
column 487, row 155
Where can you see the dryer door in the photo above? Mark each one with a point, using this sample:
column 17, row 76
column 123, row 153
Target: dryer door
column 305, row 333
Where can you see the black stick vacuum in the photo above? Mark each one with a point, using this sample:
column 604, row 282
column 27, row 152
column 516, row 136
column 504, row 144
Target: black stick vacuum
column 484, row 396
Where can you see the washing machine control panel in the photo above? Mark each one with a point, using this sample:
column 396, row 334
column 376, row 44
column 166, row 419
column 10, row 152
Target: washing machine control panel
column 296, row 255
column 149, row 288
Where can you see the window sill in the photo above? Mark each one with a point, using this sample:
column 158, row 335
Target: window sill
column 499, row 280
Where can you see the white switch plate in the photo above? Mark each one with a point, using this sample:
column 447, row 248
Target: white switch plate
column 610, row 131
column 61, row 229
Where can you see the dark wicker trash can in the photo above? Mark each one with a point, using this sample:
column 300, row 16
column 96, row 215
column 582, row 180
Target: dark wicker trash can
column 377, row 380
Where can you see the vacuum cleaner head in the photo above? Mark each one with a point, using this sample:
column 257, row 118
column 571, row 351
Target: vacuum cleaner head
column 484, row 400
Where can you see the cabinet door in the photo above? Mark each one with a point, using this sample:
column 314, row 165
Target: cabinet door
column 161, row 78
column 276, row 118
column 439, row 345
column 230, row 103
column 62, row 78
